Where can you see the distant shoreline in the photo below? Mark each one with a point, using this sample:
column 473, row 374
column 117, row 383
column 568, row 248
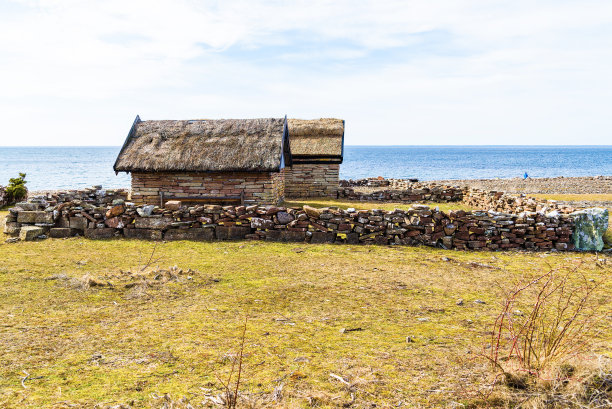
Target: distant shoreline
column 546, row 185
column 67, row 168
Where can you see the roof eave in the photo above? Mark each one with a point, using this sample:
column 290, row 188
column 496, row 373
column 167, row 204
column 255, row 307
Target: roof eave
column 125, row 144
column 136, row 170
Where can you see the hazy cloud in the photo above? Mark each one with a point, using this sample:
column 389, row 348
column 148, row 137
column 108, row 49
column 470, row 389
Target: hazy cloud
column 400, row 72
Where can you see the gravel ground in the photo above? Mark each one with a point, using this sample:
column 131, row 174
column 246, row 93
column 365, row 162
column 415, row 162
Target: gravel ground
column 559, row 185
column 33, row 193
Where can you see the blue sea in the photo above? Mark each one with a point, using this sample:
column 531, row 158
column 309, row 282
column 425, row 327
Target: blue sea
column 75, row 167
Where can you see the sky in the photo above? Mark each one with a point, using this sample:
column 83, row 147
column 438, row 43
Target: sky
column 412, row 72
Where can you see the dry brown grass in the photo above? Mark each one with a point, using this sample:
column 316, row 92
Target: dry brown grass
column 345, row 204
column 84, row 345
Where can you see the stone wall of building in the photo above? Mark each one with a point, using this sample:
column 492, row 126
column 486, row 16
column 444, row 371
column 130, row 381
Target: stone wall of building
column 420, row 225
column 306, row 180
column 258, row 187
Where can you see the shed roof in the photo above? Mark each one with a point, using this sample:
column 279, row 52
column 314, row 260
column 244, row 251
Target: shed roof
column 316, row 140
column 204, row 145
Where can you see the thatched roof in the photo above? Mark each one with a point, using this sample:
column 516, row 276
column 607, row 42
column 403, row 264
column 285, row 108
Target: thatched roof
column 316, row 139
column 204, row 145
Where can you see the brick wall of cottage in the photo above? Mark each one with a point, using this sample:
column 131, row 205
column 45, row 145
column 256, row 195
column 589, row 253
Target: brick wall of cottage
column 305, row 180
column 258, row 187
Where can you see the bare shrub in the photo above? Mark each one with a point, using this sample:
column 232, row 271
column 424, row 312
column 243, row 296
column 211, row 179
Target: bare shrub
column 540, row 342
column 229, row 398
column 558, row 323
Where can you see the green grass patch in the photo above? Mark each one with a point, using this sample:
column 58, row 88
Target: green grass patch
column 119, row 345
column 345, row 204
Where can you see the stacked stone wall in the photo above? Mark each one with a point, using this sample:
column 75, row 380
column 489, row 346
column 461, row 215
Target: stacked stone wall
column 312, row 180
column 407, row 191
column 419, row 225
column 398, row 190
column 3, row 197
column 511, row 203
column 258, row 187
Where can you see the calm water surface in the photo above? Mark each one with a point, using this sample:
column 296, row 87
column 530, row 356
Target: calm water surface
column 74, row 167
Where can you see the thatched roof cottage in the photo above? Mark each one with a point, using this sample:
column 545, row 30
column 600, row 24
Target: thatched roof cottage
column 317, row 150
column 230, row 160
column 218, row 160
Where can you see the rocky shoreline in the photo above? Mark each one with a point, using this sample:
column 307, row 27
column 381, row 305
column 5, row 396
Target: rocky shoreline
column 556, row 185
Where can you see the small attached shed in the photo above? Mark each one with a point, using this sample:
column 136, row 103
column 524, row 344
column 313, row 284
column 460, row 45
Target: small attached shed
column 224, row 160
column 317, row 150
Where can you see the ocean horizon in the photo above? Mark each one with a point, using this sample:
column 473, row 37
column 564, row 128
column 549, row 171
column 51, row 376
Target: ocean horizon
column 66, row 167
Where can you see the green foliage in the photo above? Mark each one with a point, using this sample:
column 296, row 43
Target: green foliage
column 16, row 190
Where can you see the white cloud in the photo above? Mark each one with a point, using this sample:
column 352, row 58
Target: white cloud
column 411, row 72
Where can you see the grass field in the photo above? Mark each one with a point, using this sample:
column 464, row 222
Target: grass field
column 344, row 204
column 575, row 197
column 80, row 345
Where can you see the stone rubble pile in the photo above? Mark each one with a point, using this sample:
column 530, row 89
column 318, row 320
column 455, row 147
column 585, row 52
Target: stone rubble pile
column 94, row 195
column 420, row 225
column 402, row 191
column 3, row 197
column 504, row 202
column 407, row 191
column 378, row 182
column 39, row 214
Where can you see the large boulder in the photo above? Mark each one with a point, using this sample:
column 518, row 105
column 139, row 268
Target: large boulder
column 284, row 217
column 589, row 228
column 115, row 211
column 29, row 233
column 145, row 211
column 313, row 211
column 34, row 217
column 157, row 223
column 263, row 224
column 11, row 228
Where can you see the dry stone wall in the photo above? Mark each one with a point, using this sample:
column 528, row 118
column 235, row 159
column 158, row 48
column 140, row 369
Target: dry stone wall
column 416, row 193
column 3, row 197
column 258, row 187
column 420, row 225
column 408, row 191
column 505, row 202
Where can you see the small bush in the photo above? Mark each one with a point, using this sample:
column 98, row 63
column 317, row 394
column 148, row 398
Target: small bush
column 16, row 190
column 540, row 350
column 557, row 325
